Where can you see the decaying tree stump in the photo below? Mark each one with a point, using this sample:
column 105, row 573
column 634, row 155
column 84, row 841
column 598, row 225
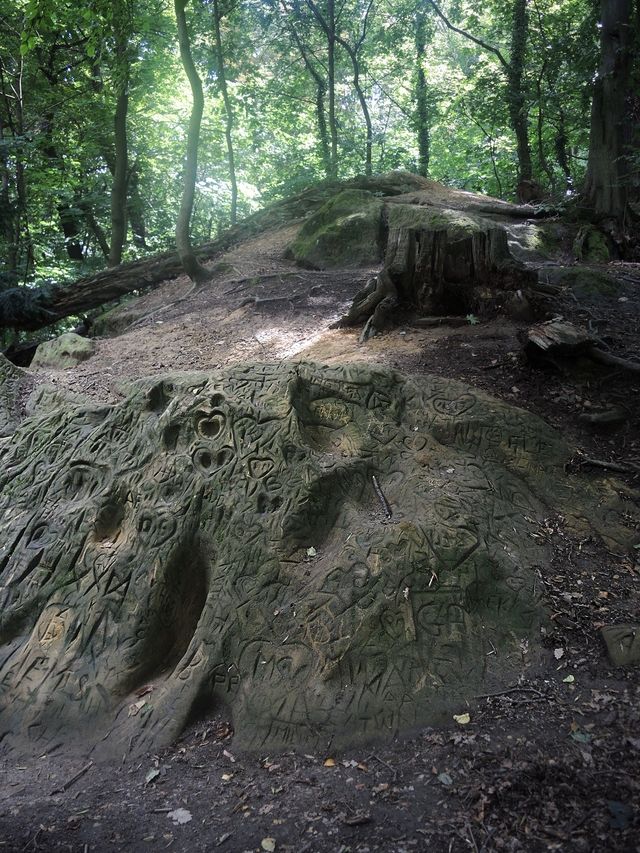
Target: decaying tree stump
column 422, row 264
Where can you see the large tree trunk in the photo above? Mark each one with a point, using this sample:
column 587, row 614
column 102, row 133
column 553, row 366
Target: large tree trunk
column 192, row 266
column 605, row 186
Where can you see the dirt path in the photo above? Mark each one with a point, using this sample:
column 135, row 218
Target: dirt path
column 550, row 765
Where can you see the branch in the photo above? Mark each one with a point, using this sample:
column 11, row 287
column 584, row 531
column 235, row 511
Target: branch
column 612, row 360
column 468, row 36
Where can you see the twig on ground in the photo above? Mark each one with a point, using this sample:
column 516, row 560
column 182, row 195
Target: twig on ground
column 621, row 467
column 510, row 690
column 388, row 766
column 73, row 780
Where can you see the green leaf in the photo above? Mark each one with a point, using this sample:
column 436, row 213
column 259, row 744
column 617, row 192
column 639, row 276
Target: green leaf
column 581, row 737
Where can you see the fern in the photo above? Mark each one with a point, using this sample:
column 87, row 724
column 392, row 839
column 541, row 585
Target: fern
column 24, row 304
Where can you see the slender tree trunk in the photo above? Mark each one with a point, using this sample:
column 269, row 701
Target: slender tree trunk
column 363, row 104
column 422, row 95
column 516, row 95
column 119, row 185
column 228, row 109
column 192, row 266
column 560, row 147
column 121, row 166
column 321, row 91
column 333, row 127
column 605, row 187
column 6, row 212
column 135, row 208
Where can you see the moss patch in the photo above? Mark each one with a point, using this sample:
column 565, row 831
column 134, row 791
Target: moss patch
column 64, row 352
column 587, row 284
column 345, row 232
column 458, row 224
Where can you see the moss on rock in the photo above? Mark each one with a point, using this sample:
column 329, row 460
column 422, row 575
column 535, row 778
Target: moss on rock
column 345, row 232
column 221, row 537
column 63, row 352
column 458, row 224
column 588, row 284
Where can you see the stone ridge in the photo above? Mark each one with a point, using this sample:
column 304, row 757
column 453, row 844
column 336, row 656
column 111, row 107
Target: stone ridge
column 219, row 538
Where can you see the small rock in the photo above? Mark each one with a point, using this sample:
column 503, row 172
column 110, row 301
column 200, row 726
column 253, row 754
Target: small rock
column 623, row 644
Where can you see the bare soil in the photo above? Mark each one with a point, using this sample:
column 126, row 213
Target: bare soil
column 550, row 764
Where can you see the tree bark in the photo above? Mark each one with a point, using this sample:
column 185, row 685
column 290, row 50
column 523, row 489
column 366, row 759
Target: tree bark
column 605, row 187
column 422, row 98
column 119, row 185
column 192, row 266
column 229, row 112
column 516, row 93
column 321, row 91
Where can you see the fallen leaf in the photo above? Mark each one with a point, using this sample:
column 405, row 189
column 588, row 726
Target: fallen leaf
column 463, row 719
column 227, row 777
column 581, row 737
column 329, row 763
column 568, row 680
column 445, row 779
column 229, row 756
column 136, row 707
column 558, row 653
column 180, row 816
column 380, row 788
column 151, row 775
column 311, row 552
column 142, row 691
column 268, row 844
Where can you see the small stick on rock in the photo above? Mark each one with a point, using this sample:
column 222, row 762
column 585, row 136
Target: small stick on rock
column 381, row 497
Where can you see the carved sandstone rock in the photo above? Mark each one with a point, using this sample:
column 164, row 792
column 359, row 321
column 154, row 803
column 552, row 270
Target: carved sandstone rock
column 219, row 536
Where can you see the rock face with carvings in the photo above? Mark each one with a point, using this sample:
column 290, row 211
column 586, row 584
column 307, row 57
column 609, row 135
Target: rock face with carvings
column 219, row 538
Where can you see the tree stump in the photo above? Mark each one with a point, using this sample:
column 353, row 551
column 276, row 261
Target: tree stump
column 438, row 268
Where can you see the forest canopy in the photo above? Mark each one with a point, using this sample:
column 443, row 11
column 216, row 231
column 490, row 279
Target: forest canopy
column 98, row 112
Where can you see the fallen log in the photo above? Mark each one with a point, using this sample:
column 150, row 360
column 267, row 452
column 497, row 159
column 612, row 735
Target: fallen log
column 90, row 292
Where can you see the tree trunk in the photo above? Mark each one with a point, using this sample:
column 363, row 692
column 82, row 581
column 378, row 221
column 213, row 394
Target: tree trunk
column 119, row 185
column 333, row 127
column 229, row 112
column 6, row 216
column 422, row 98
column 353, row 56
column 192, row 266
column 605, row 187
column 516, row 94
column 321, row 91
column 135, row 208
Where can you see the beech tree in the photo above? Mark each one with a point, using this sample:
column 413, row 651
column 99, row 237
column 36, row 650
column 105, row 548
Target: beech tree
column 191, row 264
column 605, row 188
